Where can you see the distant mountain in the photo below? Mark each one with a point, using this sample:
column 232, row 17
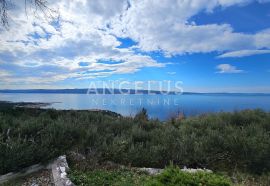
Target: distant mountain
column 85, row 91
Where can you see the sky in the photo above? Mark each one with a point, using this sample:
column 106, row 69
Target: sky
column 208, row 45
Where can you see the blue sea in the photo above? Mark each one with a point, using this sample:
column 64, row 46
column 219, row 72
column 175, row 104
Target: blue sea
column 158, row 106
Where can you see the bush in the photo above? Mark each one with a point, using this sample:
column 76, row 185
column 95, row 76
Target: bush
column 174, row 176
column 221, row 142
column 141, row 116
column 104, row 177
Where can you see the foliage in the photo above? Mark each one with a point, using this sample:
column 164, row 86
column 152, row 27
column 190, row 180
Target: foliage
column 221, row 142
column 174, row 176
column 141, row 116
column 244, row 179
column 121, row 177
column 171, row 176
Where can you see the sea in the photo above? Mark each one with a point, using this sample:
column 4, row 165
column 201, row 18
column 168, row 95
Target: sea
column 161, row 107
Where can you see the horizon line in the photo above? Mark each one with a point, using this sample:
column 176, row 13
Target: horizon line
column 171, row 91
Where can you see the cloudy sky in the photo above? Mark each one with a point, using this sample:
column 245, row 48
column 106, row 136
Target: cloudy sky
column 209, row 45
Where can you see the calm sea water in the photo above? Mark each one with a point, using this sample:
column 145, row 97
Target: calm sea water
column 158, row 106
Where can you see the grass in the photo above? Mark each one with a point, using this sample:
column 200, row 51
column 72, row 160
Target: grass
column 124, row 177
column 174, row 176
column 243, row 179
column 120, row 177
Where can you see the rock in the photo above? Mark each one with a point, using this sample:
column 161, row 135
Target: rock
column 62, row 169
column 41, row 178
column 196, row 170
column 59, row 168
column 154, row 171
column 24, row 172
column 151, row 171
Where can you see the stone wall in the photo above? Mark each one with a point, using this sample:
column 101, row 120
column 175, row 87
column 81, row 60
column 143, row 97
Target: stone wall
column 58, row 169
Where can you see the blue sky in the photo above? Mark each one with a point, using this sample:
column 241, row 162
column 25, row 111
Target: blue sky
column 209, row 45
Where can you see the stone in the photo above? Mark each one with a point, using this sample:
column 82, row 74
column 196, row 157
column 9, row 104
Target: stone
column 59, row 168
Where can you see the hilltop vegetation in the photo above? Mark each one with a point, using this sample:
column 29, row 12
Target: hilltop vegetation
column 227, row 142
column 170, row 177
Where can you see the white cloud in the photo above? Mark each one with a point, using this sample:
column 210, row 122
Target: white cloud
column 176, row 35
column 5, row 73
column 87, row 31
column 78, row 37
column 106, row 9
column 228, row 69
column 244, row 53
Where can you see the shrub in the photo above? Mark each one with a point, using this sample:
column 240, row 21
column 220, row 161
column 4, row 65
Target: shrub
column 141, row 116
column 122, row 177
column 174, row 176
column 221, row 142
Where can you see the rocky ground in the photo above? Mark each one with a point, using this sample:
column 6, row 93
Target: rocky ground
column 41, row 178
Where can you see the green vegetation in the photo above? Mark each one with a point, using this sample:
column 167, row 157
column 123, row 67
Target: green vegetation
column 227, row 142
column 174, row 176
column 121, row 177
column 250, row 180
column 170, row 177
